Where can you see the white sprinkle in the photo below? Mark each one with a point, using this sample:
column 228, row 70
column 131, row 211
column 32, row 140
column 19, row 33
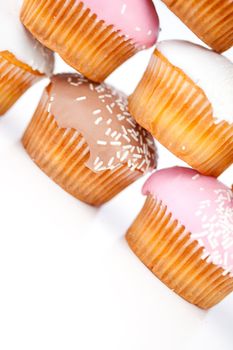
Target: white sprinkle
column 49, row 107
column 97, row 160
column 225, row 272
column 149, row 141
column 98, row 166
column 113, row 134
column 115, row 143
column 100, row 88
column 118, row 154
column 98, row 120
column 125, row 155
column 138, row 29
column 97, row 111
column 204, row 218
column 109, row 121
column 124, row 130
column 142, row 163
column 102, row 168
column 126, row 138
column 108, row 131
column 118, row 137
column 102, row 143
column 213, row 218
column 132, row 149
column 109, row 109
column 111, row 161
column 123, row 9
column 227, row 243
column 131, row 122
column 149, row 32
column 74, row 84
column 91, row 86
column 138, row 156
column 134, row 166
column 134, row 137
column 81, row 98
column 120, row 117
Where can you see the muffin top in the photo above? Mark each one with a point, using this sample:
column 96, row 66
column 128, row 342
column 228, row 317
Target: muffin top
column 100, row 114
column 15, row 39
column 136, row 19
column 212, row 72
column 203, row 205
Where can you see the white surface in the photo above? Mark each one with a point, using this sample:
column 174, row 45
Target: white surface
column 212, row 72
column 15, row 39
column 68, row 279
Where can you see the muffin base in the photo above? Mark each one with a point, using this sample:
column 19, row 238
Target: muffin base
column 63, row 153
column 167, row 249
column 78, row 36
column 178, row 114
column 211, row 21
column 15, row 78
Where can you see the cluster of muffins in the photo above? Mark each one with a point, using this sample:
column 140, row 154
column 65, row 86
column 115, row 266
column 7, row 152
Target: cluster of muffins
column 93, row 141
column 23, row 60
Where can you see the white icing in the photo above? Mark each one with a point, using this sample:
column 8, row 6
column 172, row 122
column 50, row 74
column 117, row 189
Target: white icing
column 16, row 39
column 212, row 72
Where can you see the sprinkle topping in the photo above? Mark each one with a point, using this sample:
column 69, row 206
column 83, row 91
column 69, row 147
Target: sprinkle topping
column 217, row 228
column 100, row 114
column 203, row 205
column 135, row 20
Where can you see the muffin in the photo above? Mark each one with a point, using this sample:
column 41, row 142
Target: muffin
column 185, row 100
column 83, row 137
column 92, row 36
column 23, row 61
column 184, row 234
column 211, row 21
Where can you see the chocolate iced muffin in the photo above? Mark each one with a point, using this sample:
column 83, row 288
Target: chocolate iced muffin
column 83, row 137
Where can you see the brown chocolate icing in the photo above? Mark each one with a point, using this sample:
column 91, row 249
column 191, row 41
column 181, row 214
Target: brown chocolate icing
column 100, row 114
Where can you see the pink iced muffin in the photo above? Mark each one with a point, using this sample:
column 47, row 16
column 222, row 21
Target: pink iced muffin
column 93, row 36
column 184, row 234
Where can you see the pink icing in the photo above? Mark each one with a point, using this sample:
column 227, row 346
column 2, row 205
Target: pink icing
column 203, row 205
column 137, row 19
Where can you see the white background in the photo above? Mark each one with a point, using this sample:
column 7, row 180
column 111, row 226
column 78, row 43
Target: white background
column 67, row 277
